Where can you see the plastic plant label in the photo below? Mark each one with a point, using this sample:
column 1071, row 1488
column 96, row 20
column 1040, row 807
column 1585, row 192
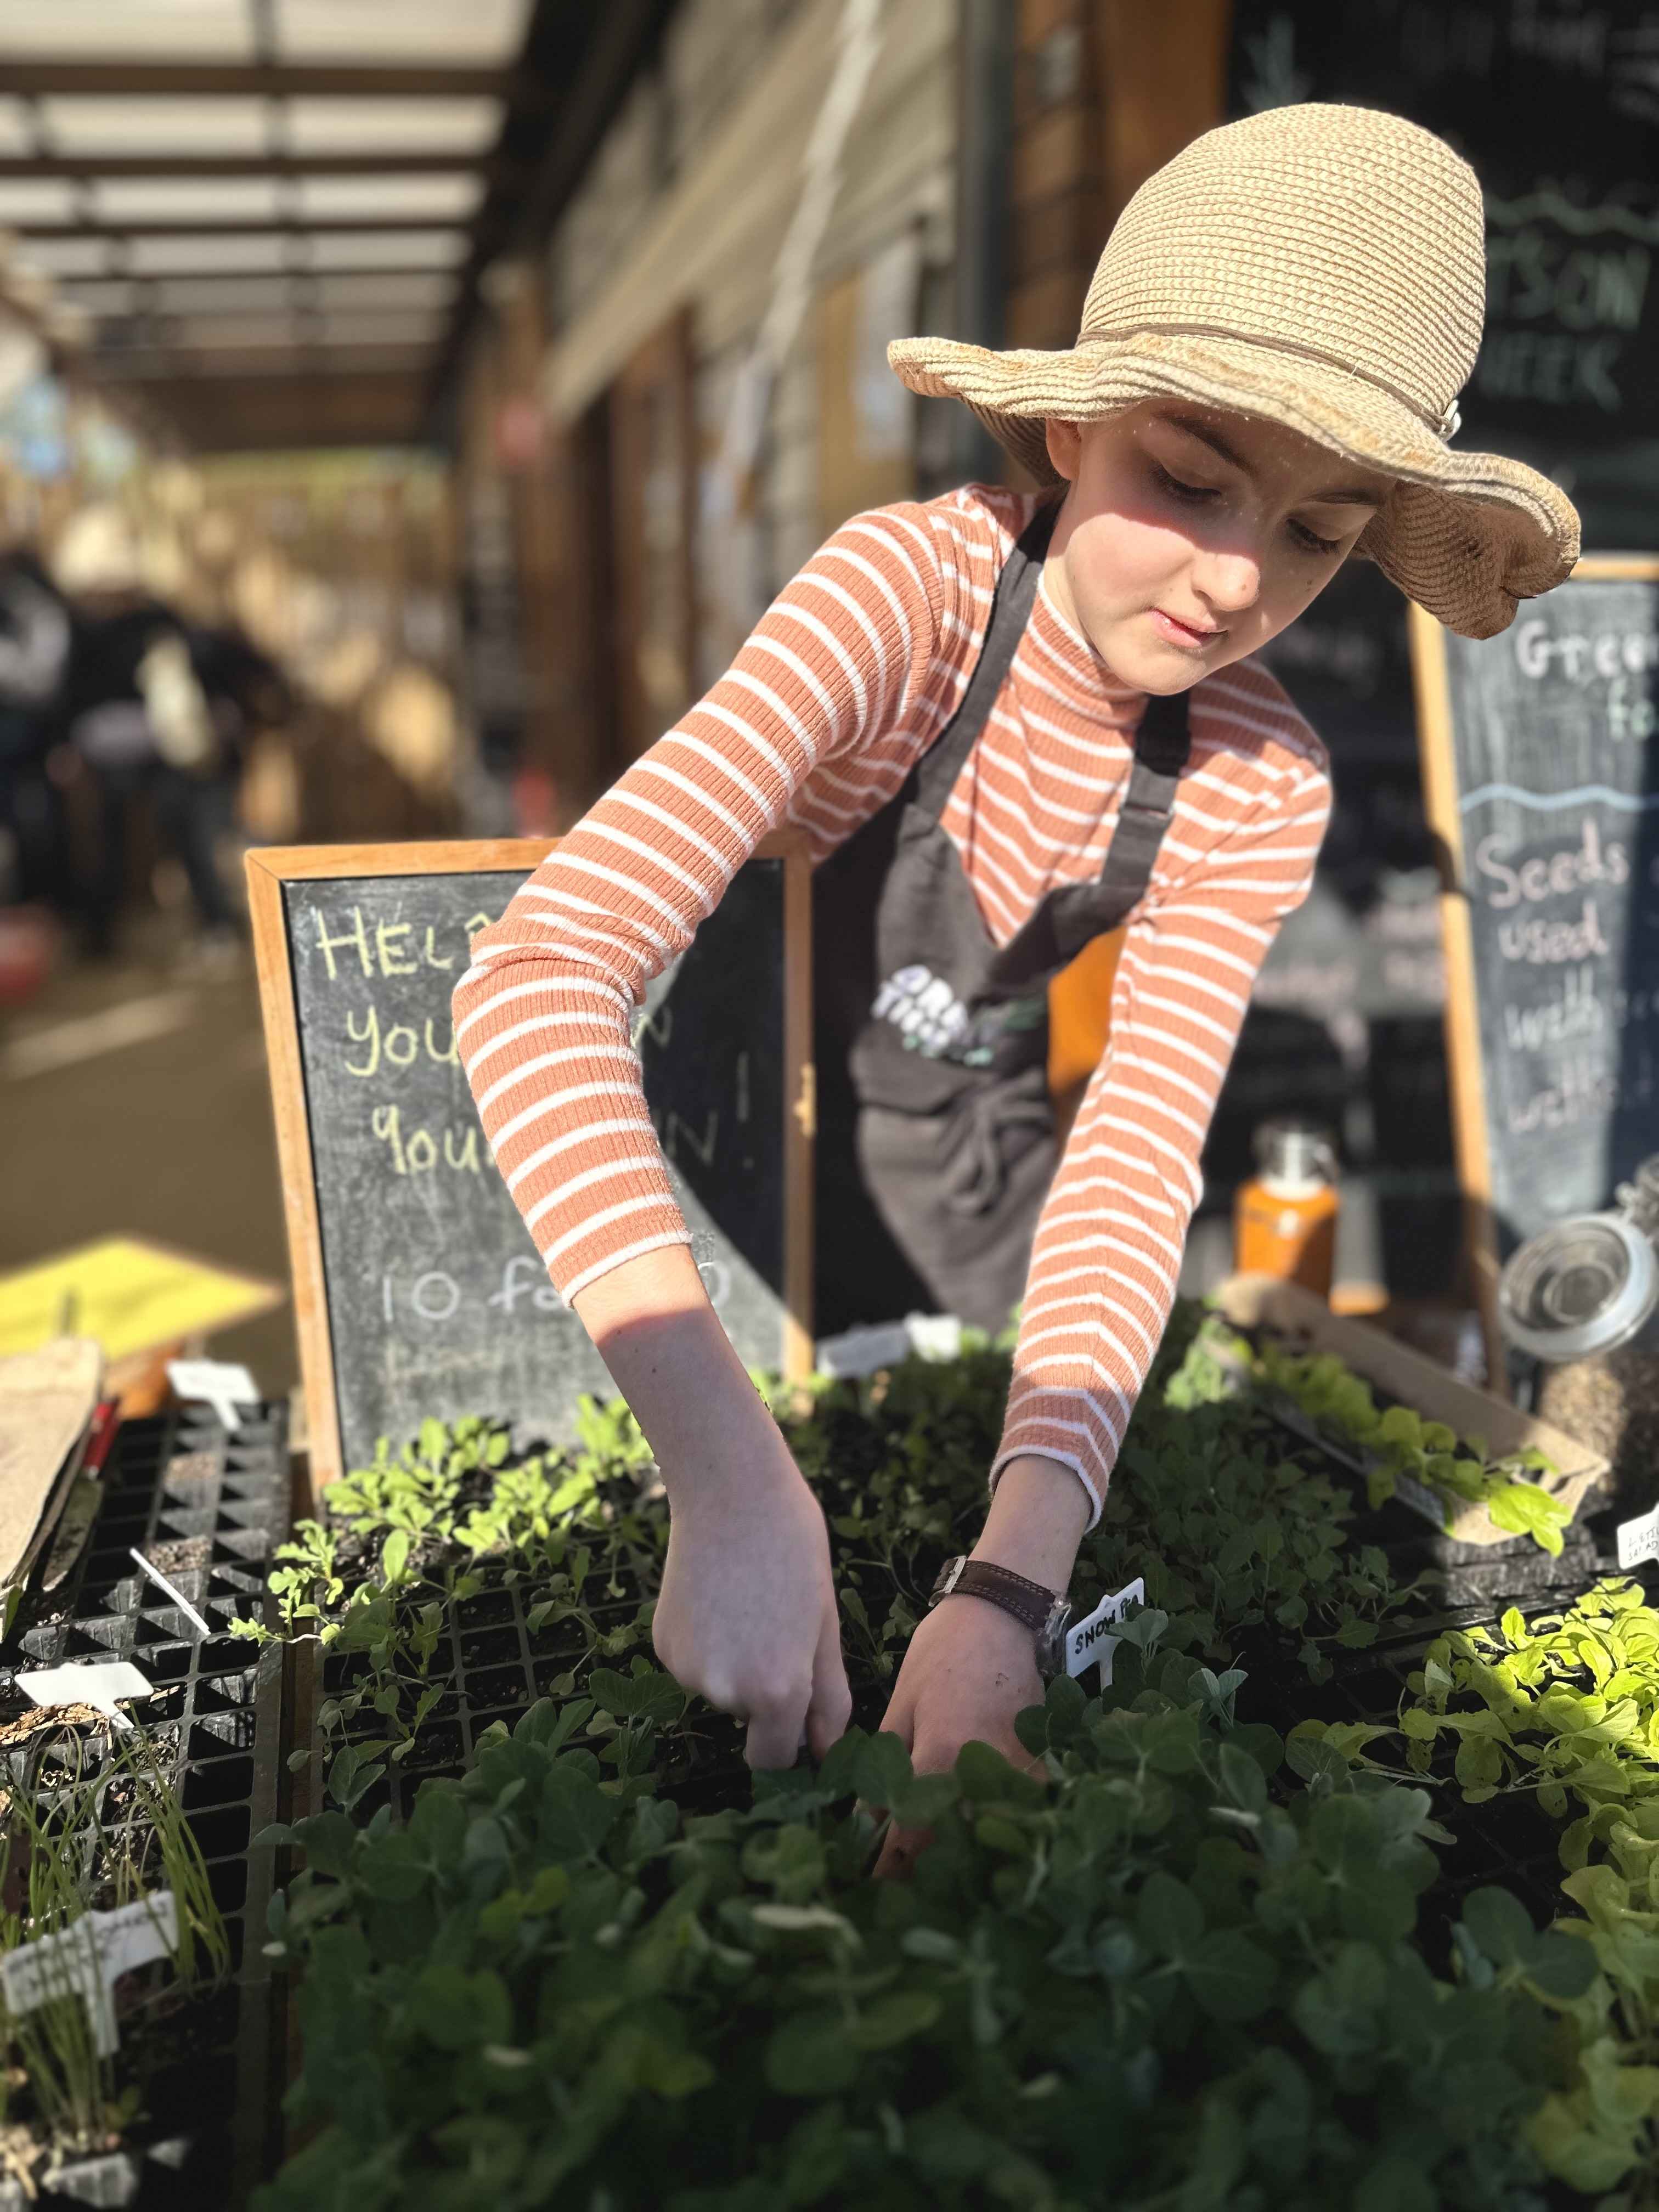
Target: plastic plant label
column 215, row 1383
column 173, row 1591
column 862, row 1351
column 883, row 1344
column 1090, row 1643
column 96, row 1685
column 88, row 1958
column 1639, row 1540
column 934, row 1336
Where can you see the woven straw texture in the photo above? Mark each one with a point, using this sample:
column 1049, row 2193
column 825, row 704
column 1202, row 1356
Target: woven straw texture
column 1323, row 267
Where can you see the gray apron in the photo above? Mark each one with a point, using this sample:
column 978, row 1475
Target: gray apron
column 936, row 1136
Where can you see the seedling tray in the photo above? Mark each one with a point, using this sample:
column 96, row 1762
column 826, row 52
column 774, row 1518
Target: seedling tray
column 209, row 1509
column 1402, row 1377
column 1508, row 1839
column 493, row 1667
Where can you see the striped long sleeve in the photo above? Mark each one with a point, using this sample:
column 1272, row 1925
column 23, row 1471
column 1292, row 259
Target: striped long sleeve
column 1108, row 1244
column 846, row 681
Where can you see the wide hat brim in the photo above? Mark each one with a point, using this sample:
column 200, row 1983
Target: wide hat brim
column 1468, row 536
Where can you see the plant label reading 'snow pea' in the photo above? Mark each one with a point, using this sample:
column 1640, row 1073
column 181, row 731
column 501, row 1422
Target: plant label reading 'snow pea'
column 1090, row 1643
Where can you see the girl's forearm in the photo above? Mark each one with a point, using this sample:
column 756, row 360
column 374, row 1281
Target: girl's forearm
column 1037, row 1516
column 672, row 1360
column 663, row 1343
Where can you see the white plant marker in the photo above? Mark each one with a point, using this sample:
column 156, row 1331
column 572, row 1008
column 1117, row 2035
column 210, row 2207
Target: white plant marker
column 88, row 1958
column 97, row 1686
column 1089, row 1644
column 1639, row 1540
column 883, row 1344
column 177, row 1596
column 216, row 1383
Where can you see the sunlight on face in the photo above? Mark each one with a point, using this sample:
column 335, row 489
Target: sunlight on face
column 1189, row 537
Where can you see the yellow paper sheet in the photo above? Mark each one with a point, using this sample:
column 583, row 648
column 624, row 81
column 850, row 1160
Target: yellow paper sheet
column 130, row 1294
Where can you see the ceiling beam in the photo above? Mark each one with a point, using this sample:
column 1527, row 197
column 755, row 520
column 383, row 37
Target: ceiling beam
column 215, row 80
column 188, row 167
column 255, row 409
column 250, row 227
column 351, row 270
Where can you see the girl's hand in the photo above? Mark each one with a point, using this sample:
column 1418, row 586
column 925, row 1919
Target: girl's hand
column 970, row 1667
column 747, row 1612
column 969, row 1670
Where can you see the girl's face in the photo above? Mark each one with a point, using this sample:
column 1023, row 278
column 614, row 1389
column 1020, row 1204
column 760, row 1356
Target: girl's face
column 1190, row 537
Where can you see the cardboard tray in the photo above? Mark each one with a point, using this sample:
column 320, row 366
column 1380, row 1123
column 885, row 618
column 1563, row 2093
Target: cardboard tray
column 1301, row 1318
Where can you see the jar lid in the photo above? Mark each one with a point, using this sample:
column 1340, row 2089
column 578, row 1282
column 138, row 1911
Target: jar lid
column 1584, row 1286
column 1295, row 1151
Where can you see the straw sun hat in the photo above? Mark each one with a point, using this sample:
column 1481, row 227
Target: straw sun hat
column 1320, row 267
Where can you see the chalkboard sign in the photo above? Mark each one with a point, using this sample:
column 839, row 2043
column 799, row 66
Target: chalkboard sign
column 1555, row 107
column 1541, row 773
column 417, row 1289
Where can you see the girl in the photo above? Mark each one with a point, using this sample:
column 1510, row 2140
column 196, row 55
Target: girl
column 1006, row 723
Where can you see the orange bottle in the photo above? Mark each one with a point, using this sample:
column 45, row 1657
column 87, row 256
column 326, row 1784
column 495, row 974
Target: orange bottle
column 1284, row 1218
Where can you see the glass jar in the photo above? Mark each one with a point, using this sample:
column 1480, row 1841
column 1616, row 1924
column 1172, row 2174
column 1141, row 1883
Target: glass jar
column 1284, row 1218
column 1582, row 1298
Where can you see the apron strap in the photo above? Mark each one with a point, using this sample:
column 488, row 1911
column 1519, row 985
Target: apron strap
column 1070, row 919
column 937, row 771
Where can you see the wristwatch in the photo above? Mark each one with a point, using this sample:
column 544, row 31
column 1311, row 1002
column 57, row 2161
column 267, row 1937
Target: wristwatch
column 1045, row 1615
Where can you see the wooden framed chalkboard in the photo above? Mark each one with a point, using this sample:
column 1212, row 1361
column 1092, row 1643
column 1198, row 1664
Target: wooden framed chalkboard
column 417, row 1289
column 1540, row 773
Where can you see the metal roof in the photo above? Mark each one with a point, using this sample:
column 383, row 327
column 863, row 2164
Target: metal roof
column 289, row 186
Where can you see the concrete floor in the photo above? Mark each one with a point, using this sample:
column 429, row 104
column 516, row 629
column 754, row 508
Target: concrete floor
column 133, row 1101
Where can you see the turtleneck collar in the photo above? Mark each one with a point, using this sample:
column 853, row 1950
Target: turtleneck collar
column 1064, row 658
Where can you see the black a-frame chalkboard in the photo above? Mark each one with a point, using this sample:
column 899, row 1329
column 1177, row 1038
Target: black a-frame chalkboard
column 1540, row 772
column 417, row 1289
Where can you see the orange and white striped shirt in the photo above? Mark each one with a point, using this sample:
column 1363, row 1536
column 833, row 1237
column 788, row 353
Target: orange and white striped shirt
column 850, row 674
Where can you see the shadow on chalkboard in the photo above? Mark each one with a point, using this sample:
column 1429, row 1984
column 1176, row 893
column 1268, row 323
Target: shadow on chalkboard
column 712, row 1059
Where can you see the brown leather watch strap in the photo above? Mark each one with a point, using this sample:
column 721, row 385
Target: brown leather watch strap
column 1028, row 1601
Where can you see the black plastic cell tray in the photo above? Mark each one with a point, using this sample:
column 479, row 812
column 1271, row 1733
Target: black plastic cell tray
column 1507, row 1839
column 494, row 1668
column 211, row 2129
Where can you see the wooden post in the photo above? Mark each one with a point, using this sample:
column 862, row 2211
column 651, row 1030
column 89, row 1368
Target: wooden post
column 1468, row 1098
column 653, row 580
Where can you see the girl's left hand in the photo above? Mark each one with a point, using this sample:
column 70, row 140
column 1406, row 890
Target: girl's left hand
column 969, row 1670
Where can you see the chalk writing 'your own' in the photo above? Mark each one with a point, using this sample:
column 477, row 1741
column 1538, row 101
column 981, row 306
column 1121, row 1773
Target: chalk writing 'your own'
column 418, row 1153
column 400, row 1045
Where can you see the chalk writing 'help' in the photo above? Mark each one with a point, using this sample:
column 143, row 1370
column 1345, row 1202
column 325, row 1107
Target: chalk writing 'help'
column 391, row 948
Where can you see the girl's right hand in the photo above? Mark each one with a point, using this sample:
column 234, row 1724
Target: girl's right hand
column 747, row 1611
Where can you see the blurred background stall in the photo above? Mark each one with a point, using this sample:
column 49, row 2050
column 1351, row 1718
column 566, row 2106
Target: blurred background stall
column 405, row 410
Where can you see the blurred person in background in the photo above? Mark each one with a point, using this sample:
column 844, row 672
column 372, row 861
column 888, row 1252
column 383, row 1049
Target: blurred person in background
column 139, row 722
column 34, row 653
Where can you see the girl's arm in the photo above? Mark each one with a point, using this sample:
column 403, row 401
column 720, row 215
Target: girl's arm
column 1108, row 1243
column 747, row 1613
column 829, row 689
